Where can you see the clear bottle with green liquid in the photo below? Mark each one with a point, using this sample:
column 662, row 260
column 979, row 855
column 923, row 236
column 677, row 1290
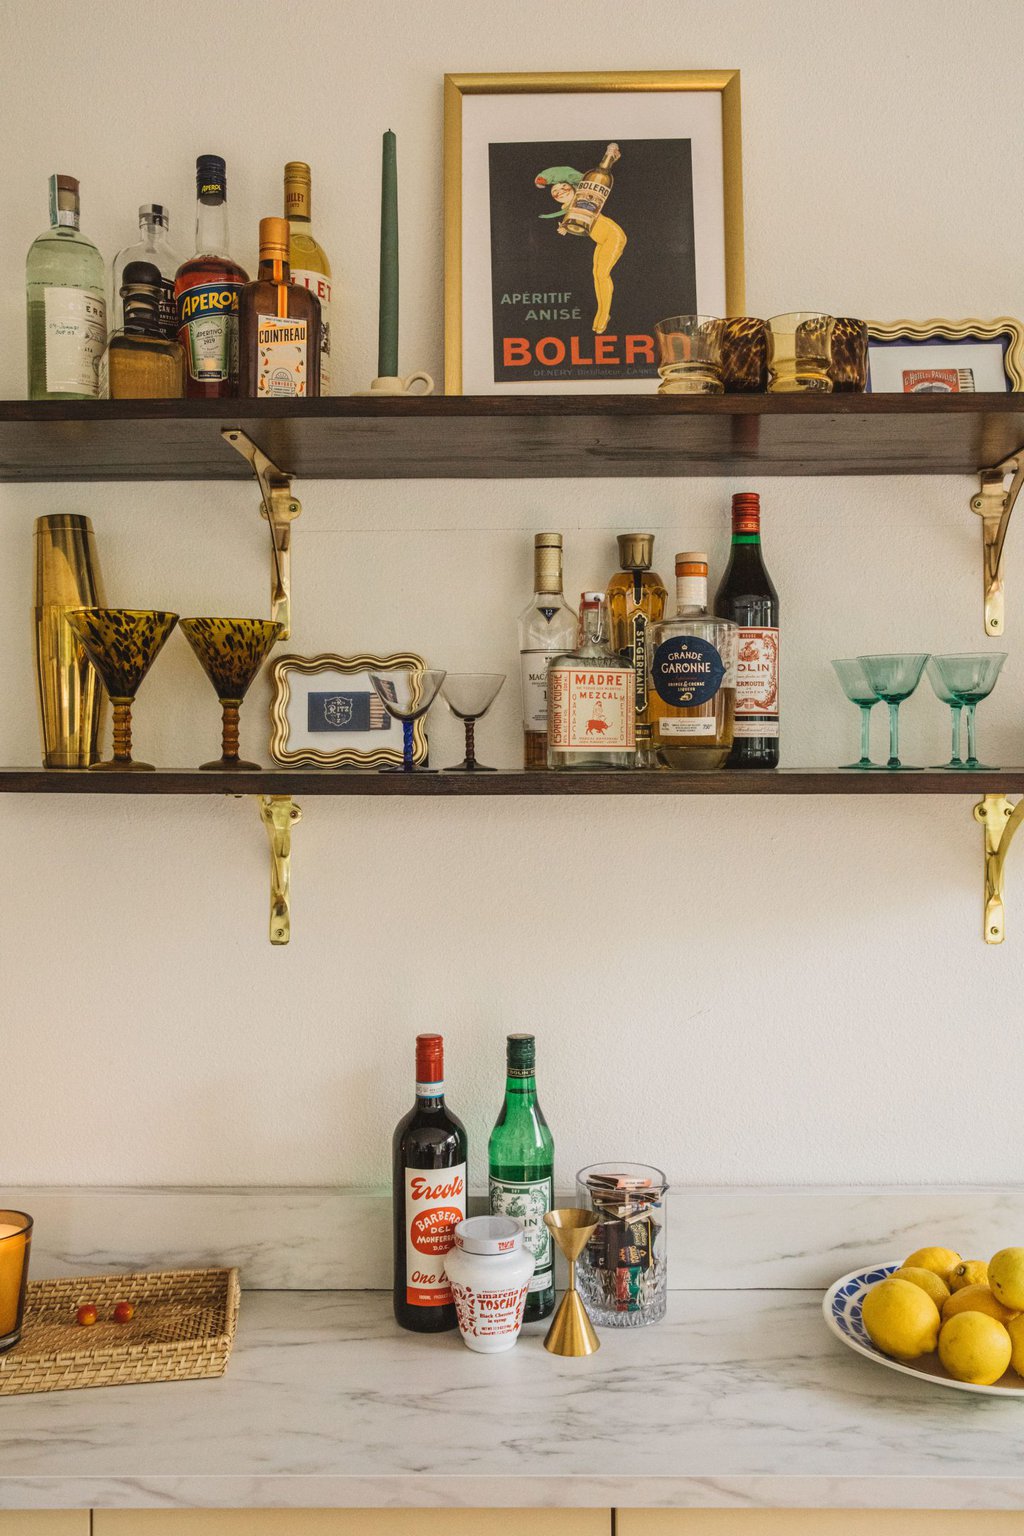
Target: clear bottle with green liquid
column 521, row 1166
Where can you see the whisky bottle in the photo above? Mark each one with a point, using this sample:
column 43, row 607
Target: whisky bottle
column 693, row 676
column 143, row 363
column 636, row 600
column 207, row 290
column 591, row 699
column 590, row 196
column 521, row 1169
column 747, row 596
column 547, row 627
column 309, row 267
column 279, row 326
column 154, row 247
column 67, row 310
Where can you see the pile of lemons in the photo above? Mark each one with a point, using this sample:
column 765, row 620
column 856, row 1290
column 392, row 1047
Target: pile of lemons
column 972, row 1312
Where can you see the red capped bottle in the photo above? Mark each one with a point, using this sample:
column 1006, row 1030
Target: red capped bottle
column 430, row 1154
column 746, row 595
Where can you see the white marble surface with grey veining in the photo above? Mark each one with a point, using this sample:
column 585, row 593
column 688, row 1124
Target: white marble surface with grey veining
column 738, row 1398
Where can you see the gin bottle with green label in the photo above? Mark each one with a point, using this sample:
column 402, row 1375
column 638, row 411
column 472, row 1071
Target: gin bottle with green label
column 521, row 1159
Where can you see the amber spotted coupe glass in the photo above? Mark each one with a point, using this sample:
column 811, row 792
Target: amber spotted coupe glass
column 122, row 644
column 230, row 652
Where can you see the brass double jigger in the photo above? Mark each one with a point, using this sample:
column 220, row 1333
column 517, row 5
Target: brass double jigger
column 571, row 1331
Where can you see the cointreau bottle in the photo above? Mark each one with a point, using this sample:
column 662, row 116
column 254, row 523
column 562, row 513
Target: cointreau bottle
column 279, row 326
column 207, row 290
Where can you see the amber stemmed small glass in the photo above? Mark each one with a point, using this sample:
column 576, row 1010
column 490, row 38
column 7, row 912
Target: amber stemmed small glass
column 469, row 695
column 122, row 644
column 230, row 652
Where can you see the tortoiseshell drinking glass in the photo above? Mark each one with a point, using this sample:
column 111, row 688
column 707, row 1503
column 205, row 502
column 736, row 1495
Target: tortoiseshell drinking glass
column 230, row 652
column 122, row 644
column 744, row 355
column 849, row 366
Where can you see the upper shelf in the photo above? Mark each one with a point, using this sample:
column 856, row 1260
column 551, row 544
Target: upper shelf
column 512, row 436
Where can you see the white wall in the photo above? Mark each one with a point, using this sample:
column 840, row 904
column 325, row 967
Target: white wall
column 744, row 991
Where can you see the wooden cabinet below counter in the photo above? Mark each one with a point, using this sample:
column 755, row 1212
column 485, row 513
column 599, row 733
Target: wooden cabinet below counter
column 44, row 1522
column 336, row 1522
column 818, row 1522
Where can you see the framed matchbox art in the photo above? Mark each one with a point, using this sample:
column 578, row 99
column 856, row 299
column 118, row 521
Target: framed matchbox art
column 325, row 713
column 946, row 357
column 579, row 210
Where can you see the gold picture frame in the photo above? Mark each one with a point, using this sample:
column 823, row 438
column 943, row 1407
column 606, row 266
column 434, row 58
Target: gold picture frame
column 725, row 82
column 305, row 755
column 957, row 332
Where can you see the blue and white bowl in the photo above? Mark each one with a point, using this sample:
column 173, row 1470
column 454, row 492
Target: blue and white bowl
column 844, row 1308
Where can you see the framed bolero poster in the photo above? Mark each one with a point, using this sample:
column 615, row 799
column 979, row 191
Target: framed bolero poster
column 579, row 210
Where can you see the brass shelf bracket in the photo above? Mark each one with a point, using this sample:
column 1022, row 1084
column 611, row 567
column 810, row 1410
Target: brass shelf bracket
column 994, row 504
column 280, row 508
column 279, row 814
column 1000, row 818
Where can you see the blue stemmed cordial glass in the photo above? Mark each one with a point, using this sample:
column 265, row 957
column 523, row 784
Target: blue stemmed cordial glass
column 407, row 693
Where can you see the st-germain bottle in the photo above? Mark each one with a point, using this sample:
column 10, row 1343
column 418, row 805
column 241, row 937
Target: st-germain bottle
column 67, row 308
column 430, row 1153
column 547, row 627
column 207, row 289
column 154, row 248
column 746, row 595
column 591, row 699
column 590, row 196
column 279, row 326
column 521, row 1168
column 636, row 600
column 307, row 257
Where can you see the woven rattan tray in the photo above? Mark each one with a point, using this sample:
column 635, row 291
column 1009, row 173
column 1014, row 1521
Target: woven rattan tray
column 184, row 1327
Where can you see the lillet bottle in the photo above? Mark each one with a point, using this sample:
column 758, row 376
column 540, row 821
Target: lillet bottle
column 521, row 1166
column 746, row 595
column 207, row 289
column 310, row 267
column 430, row 1153
column 279, row 326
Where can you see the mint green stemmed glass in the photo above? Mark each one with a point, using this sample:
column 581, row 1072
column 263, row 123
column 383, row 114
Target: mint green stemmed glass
column 859, row 691
column 894, row 679
column 956, row 710
column 963, row 681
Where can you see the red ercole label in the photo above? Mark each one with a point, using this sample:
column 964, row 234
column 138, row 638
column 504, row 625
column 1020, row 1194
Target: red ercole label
column 435, row 1203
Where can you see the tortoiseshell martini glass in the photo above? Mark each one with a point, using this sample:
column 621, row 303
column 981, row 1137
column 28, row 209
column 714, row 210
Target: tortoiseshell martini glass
column 230, row 652
column 122, row 644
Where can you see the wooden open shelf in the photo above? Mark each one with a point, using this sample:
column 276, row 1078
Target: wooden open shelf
column 321, row 781
column 513, row 436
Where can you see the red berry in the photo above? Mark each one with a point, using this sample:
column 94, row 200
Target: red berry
column 87, row 1314
column 124, row 1312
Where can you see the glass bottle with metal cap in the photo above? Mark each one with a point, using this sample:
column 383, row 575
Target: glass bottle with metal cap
column 67, row 309
column 591, row 699
column 307, row 257
column 142, row 362
column 693, row 676
column 279, row 326
column 547, row 627
column 206, row 291
column 154, row 247
column 636, row 600
column 521, row 1169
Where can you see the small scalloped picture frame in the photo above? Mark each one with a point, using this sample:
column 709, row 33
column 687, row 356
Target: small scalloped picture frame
column 326, row 714
column 933, row 357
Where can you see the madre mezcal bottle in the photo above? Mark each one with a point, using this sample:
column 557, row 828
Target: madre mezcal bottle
column 521, row 1166
column 67, row 309
column 428, row 1197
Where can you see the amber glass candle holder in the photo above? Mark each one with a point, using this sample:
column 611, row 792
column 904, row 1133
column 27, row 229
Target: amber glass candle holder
column 122, row 644
column 15, row 1242
column 230, row 652
column 689, row 355
column 800, row 353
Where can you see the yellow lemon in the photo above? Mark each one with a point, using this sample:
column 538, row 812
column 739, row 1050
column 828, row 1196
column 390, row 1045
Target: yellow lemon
column 1015, row 1328
column 967, row 1272
column 928, row 1280
column 975, row 1348
column 976, row 1298
column 939, row 1260
column 901, row 1319
column 1006, row 1277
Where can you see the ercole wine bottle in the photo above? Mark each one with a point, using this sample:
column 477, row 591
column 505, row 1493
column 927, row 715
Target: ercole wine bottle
column 429, row 1197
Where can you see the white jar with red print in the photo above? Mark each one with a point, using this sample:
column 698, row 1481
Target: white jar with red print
column 490, row 1272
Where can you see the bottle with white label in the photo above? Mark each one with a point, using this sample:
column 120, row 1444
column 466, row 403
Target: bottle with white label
column 307, row 257
column 547, row 628
column 430, row 1153
column 278, row 327
column 747, row 596
column 692, row 696
column 591, row 699
column 521, row 1169
column 67, row 308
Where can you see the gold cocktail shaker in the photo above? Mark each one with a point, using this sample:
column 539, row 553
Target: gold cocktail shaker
column 71, row 700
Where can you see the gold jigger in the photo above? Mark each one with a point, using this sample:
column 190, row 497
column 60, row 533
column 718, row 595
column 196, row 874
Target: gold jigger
column 571, row 1331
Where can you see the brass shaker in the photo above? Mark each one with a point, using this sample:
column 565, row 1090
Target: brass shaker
column 71, row 700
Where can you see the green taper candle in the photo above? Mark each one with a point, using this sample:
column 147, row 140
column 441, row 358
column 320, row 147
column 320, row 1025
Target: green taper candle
column 387, row 344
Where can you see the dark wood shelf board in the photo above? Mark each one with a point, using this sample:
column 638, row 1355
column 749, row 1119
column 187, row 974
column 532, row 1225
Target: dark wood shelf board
column 512, row 436
column 311, row 782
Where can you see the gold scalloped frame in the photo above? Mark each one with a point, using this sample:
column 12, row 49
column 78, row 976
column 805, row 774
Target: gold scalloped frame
column 342, row 757
column 960, row 330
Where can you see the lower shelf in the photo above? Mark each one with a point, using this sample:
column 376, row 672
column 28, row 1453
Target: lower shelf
column 324, row 781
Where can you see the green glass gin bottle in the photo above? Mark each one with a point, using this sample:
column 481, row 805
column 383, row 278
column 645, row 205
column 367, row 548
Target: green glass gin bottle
column 521, row 1165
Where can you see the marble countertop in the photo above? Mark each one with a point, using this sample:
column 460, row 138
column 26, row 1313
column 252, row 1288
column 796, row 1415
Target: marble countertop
column 738, row 1398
